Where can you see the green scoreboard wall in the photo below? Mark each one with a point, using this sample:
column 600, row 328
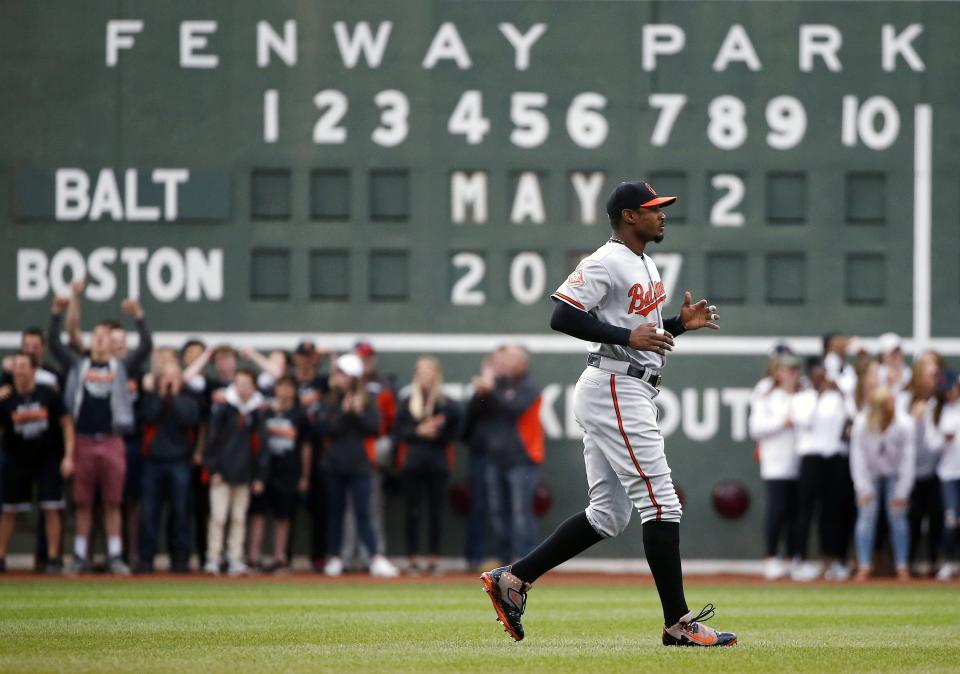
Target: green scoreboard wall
column 426, row 173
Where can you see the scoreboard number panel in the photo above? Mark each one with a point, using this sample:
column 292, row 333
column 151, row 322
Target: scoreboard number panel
column 874, row 121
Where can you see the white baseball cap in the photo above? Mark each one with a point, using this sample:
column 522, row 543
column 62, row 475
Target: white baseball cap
column 350, row 364
column 889, row 342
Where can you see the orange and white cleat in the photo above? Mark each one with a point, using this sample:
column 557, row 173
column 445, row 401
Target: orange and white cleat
column 509, row 596
column 690, row 631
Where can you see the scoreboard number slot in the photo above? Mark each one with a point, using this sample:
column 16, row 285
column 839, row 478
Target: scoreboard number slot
column 395, row 111
column 467, row 118
column 332, row 105
column 464, row 291
column 586, row 125
column 531, row 126
column 787, row 121
column 727, row 129
column 528, row 277
column 722, row 213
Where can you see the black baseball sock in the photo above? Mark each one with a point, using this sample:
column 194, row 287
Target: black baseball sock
column 570, row 539
column 661, row 543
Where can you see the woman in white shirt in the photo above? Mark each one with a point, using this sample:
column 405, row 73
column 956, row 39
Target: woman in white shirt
column 820, row 415
column 947, row 416
column 882, row 464
column 772, row 427
column 925, row 516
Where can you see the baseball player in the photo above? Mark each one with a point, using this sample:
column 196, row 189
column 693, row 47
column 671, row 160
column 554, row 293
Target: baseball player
column 613, row 300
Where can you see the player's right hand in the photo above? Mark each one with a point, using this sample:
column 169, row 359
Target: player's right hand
column 649, row 337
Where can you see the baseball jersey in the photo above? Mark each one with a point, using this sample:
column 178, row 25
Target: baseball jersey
column 621, row 288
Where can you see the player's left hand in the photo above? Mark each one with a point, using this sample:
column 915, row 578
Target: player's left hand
column 699, row 315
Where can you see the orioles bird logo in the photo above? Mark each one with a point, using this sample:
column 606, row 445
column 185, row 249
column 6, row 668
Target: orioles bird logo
column 643, row 301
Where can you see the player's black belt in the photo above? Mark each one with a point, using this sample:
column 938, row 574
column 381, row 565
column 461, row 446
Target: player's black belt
column 651, row 377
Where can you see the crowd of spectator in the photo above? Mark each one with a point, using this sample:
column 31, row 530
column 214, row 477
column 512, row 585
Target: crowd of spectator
column 843, row 443
column 209, row 448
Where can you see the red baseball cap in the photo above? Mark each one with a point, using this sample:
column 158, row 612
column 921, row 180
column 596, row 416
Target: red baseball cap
column 364, row 349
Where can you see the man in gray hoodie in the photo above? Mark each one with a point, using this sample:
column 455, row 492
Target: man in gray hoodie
column 97, row 396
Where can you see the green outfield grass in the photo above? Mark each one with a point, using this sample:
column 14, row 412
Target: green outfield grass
column 255, row 626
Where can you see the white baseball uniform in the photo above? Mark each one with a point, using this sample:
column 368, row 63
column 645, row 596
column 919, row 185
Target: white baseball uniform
column 622, row 446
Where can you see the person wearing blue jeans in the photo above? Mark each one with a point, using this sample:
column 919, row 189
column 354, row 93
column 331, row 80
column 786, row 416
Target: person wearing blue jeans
column 510, row 497
column 951, row 529
column 169, row 416
column 866, row 528
column 165, row 481
column 358, row 487
column 475, row 436
column 348, row 420
column 882, row 463
column 506, row 406
column 476, row 543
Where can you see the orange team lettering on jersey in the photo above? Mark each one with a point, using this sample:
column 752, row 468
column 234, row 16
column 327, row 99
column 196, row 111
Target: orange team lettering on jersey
column 101, row 376
column 644, row 301
column 22, row 416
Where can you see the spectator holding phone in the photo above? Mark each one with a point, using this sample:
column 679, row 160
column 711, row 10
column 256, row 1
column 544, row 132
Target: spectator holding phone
column 348, row 417
column 169, row 416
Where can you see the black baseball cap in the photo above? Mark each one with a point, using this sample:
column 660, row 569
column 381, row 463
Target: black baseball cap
column 634, row 195
column 305, row 348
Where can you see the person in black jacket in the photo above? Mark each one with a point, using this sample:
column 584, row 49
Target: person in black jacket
column 347, row 418
column 286, row 434
column 169, row 416
column 236, row 467
column 474, row 435
column 427, row 422
column 508, row 408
